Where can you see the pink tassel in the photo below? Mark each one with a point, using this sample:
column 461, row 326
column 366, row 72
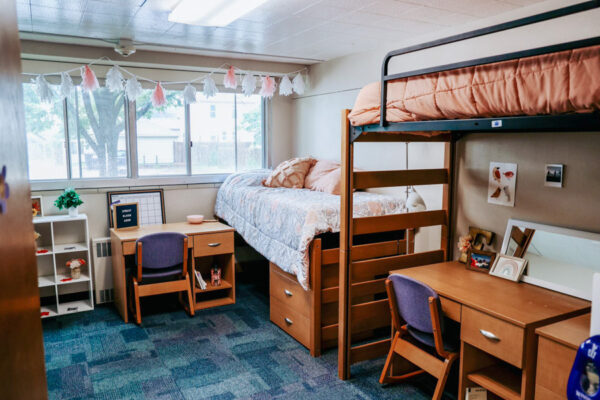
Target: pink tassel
column 230, row 81
column 267, row 88
column 88, row 79
column 158, row 97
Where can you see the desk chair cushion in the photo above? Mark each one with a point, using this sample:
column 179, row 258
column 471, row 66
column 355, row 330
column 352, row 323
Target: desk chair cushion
column 156, row 273
column 161, row 251
column 412, row 298
column 451, row 337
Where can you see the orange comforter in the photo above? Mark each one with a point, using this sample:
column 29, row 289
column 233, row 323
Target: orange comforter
column 555, row 83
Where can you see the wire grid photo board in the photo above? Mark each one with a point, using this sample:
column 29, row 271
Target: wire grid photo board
column 151, row 204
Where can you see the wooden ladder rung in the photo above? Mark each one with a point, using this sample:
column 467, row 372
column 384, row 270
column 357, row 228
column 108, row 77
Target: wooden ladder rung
column 407, row 177
column 396, row 222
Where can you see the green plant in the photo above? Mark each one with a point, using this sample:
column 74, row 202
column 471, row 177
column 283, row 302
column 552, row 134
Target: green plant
column 69, row 199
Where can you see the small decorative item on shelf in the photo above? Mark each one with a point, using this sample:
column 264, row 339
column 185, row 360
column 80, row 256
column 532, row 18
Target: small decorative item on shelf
column 69, row 200
column 36, row 236
column 75, row 266
column 36, row 206
column 215, row 276
column 476, row 240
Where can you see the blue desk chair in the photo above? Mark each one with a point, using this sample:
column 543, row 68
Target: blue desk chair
column 161, row 267
column 423, row 338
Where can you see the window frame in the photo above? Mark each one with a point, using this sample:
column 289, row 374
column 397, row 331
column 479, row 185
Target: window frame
column 133, row 179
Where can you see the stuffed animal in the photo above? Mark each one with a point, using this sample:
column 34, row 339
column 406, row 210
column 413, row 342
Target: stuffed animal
column 75, row 265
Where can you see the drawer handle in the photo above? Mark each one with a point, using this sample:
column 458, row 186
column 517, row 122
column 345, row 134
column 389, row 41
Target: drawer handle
column 287, row 293
column 217, row 244
column 288, row 321
column 489, row 335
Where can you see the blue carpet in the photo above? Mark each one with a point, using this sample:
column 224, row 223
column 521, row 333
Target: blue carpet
column 230, row 352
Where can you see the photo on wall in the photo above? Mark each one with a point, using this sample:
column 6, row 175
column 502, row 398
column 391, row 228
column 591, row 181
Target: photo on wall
column 554, row 175
column 502, row 184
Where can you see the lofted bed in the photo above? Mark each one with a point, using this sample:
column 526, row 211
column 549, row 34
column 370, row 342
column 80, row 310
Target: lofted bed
column 404, row 108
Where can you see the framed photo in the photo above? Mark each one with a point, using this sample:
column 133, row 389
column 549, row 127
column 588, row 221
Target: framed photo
column 479, row 239
column 480, row 260
column 554, row 175
column 36, row 206
column 508, row 267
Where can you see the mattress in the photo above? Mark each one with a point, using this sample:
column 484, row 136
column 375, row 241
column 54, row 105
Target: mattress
column 554, row 83
column 280, row 223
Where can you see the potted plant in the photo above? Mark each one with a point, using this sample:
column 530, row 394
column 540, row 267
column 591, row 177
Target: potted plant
column 69, row 200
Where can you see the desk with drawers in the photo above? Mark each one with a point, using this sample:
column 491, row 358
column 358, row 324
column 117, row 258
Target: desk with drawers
column 210, row 243
column 498, row 321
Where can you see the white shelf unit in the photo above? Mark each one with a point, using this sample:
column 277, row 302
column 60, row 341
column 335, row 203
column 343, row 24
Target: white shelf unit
column 64, row 238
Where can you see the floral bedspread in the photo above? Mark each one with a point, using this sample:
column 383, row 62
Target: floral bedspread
column 280, row 223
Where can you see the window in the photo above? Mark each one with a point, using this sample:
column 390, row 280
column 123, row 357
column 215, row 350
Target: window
column 87, row 135
column 161, row 135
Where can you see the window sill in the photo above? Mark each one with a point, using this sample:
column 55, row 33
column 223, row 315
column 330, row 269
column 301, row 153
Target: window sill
column 132, row 183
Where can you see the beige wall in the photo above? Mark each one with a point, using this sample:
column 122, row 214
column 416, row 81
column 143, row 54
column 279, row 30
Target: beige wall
column 335, row 85
column 180, row 200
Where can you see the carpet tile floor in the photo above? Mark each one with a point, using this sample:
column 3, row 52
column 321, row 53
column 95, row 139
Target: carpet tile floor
column 230, row 352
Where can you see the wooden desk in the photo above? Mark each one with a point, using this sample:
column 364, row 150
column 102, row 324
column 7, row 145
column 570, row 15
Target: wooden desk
column 557, row 346
column 510, row 311
column 207, row 239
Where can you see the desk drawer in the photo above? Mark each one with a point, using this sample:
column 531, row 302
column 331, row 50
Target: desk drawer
column 509, row 338
column 213, row 243
column 554, row 362
column 291, row 321
column 451, row 308
column 289, row 292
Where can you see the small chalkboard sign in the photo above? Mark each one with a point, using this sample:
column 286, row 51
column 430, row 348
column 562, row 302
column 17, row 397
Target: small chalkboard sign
column 126, row 216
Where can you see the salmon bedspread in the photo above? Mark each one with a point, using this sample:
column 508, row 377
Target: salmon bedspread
column 555, row 83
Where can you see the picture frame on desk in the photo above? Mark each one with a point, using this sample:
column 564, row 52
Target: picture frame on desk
column 508, row 267
column 480, row 260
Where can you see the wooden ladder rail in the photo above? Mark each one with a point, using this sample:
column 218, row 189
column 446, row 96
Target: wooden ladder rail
column 350, row 226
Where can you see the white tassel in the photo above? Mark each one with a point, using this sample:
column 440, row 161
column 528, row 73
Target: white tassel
column 66, row 85
column 189, row 94
column 133, row 89
column 114, row 80
column 285, row 86
column 43, row 89
column 210, row 88
column 248, row 84
column 298, row 84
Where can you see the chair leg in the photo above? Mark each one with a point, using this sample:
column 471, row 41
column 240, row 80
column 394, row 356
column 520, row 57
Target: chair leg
column 439, row 388
column 388, row 362
column 190, row 296
column 136, row 294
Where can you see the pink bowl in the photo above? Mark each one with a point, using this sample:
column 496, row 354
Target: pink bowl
column 195, row 219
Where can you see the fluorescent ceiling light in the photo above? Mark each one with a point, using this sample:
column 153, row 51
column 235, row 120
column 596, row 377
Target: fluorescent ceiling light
column 212, row 12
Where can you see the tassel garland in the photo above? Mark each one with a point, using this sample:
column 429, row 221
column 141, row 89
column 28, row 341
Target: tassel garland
column 66, row 85
column 248, row 85
column 230, row 81
column 42, row 87
column 158, row 96
column 267, row 87
column 89, row 81
column 189, row 94
column 114, row 80
column 285, row 86
column 133, row 89
column 210, row 88
column 298, row 84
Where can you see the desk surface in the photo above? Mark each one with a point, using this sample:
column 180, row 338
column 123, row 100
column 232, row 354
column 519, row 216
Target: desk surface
column 181, row 227
column 521, row 304
column 570, row 332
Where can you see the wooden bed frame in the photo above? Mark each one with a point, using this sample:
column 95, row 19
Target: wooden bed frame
column 355, row 314
column 311, row 317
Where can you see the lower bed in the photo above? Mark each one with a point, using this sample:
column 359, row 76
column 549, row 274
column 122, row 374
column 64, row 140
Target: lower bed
column 297, row 231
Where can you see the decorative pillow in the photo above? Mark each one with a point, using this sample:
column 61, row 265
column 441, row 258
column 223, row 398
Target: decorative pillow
column 324, row 176
column 290, row 173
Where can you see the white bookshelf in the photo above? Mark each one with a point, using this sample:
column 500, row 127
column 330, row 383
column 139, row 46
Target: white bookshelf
column 64, row 238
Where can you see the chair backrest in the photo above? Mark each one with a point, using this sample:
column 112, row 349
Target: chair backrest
column 412, row 301
column 161, row 250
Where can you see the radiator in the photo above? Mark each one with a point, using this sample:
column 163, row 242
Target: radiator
column 103, row 281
